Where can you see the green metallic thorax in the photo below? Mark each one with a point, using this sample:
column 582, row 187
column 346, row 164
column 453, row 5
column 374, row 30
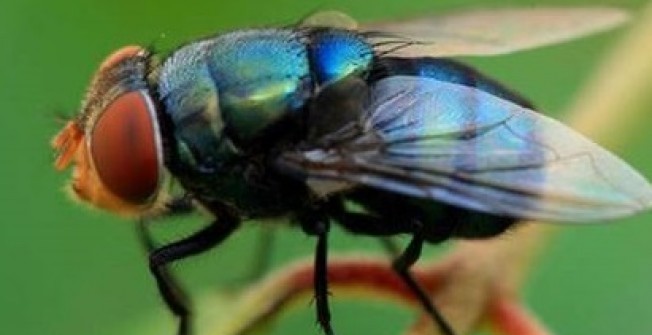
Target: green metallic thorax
column 225, row 95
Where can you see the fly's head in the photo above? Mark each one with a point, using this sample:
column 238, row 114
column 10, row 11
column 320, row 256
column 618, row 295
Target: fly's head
column 114, row 143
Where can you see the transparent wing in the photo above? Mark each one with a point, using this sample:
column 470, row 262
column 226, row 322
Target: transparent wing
column 491, row 31
column 456, row 144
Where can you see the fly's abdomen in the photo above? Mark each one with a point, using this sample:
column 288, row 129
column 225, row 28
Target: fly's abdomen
column 445, row 220
column 445, row 70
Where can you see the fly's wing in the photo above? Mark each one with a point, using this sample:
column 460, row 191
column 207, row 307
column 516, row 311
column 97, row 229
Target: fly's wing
column 455, row 144
column 491, row 31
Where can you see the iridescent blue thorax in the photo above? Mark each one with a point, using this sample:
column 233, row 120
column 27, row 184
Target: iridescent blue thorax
column 224, row 94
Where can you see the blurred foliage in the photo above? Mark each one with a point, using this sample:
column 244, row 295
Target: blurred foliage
column 70, row 270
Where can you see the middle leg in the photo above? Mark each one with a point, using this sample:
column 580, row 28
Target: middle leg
column 317, row 224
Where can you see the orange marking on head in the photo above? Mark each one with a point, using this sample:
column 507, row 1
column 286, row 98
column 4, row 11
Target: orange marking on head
column 121, row 54
column 66, row 143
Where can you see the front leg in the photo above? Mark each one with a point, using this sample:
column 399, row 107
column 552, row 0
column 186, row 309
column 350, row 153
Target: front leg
column 199, row 242
column 167, row 283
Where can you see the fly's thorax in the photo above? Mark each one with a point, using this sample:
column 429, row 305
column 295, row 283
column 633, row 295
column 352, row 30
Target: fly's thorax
column 226, row 92
column 231, row 96
column 240, row 82
column 222, row 94
column 115, row 142
column 336, row 54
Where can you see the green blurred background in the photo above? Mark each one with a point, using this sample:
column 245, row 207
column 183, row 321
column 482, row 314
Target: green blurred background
column 69, row 270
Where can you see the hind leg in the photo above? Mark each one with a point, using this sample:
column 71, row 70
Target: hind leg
column 376, row 226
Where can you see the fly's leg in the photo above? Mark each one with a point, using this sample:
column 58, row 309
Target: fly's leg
column 183, row 205
column 199, row 242
column 318, row 225
column 168, row 286
column 375, row 226
column 402, row 266
column 321, row 280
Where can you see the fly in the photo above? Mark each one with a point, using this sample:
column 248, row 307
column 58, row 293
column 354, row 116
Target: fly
column 299, row 121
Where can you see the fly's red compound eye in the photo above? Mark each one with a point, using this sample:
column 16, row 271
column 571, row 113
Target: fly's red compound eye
column 125, row 150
